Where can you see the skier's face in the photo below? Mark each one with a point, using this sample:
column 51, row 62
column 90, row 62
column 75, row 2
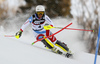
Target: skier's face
column 40, row 14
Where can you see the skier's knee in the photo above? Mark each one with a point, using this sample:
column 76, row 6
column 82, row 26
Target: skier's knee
column 40, row 37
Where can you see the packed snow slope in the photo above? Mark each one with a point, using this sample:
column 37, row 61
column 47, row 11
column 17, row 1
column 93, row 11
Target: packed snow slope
column 20, row 51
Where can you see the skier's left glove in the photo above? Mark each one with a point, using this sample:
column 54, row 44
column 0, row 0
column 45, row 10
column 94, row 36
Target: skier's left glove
column 48, row 27
column 18, row 34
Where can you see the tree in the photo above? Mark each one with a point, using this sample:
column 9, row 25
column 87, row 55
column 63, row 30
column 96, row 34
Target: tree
column 90, row 19
column 53, row 7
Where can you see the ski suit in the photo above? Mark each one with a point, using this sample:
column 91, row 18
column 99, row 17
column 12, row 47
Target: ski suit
column 37, row 26
column 40, row 32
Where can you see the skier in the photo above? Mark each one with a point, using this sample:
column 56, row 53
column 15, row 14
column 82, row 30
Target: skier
column 41, row 30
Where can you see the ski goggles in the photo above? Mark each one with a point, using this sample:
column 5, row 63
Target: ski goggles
column 40, row 13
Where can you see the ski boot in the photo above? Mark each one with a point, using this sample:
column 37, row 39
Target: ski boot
column 55, row 50
column 68, row 54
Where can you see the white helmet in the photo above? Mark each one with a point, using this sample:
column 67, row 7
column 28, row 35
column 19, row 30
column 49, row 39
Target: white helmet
column 40, row 8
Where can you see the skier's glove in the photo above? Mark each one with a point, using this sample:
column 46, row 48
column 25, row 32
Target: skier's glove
column 48, row 27
column 18, row 34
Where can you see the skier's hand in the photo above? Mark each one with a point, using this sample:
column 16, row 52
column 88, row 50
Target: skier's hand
column 18, row 34
column 48, row 27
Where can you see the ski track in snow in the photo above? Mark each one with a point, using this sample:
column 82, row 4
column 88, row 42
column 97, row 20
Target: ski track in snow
column 20, row 51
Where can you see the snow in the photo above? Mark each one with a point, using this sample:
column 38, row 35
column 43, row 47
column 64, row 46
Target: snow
column 10, row 7
column 77, row 10
column 20, row 51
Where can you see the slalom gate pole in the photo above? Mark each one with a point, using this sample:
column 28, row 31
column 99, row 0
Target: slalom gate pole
column 75, row 29
column 97, row 46
column 53, row 34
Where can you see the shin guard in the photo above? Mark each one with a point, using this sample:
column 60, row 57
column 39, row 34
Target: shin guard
column 47, row 43
column 62, row 46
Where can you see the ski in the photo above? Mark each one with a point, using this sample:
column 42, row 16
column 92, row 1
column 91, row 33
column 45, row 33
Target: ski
column 54, row 33
column 67, row 55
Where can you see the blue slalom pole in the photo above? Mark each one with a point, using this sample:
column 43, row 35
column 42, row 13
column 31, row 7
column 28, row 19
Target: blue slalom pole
column 97, row 46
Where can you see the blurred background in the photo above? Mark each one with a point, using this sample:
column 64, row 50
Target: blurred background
column 85, row 12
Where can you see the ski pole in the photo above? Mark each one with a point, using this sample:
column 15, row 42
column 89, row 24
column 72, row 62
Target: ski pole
column 75, row 29
column 9, row 35
column 53, row 34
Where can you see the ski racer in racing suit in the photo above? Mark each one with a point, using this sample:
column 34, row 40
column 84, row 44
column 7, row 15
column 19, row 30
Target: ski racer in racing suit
column 41, row 30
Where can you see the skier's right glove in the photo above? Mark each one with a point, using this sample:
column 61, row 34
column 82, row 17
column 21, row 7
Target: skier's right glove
column 18, row 34
column 48, row 27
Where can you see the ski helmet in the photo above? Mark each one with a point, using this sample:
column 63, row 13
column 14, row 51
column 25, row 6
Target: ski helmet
column 40, row 8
